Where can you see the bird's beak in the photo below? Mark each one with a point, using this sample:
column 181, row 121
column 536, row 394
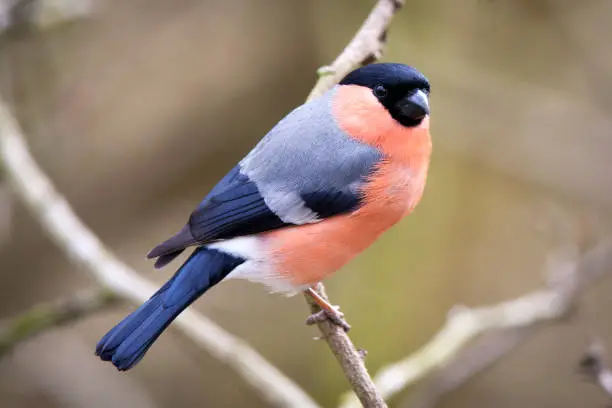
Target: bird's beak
column 415, row 105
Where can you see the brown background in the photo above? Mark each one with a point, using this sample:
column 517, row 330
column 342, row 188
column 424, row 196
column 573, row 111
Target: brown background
column 137, row 111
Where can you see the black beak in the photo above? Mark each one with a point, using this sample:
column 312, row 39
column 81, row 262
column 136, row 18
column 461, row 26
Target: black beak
column 415, row 105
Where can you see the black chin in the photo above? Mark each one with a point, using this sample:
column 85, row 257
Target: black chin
column 409, row 121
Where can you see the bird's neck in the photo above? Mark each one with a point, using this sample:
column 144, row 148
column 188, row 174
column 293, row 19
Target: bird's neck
column 410, row 147
column 361, row 116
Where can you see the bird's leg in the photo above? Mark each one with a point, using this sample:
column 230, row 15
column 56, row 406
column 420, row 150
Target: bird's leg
column 327, row 312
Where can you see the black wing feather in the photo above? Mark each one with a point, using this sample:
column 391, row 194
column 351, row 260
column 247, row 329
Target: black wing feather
column 235, row 207
column 331, row 202
column 235, row 212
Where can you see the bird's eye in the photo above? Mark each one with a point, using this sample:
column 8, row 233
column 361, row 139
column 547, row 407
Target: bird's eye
column 380, row 91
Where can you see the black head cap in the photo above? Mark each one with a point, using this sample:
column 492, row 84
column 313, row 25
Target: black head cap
column 401, row 89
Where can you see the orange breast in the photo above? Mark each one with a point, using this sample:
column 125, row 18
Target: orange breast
column 307, row 254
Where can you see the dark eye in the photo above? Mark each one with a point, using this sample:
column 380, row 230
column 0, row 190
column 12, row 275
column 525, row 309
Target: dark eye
column 380, row 91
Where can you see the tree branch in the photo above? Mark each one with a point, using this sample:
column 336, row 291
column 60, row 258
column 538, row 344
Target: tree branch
column 567, row 279
column 365, row 47
column 78, row 242
column 43, row 316
column 350, row 359
column 42, row 13
column 480, row 354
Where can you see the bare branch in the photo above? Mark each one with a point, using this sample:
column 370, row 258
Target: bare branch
column 365, row 47
column 483, row 352
column 568, row 277
column 77, row 241
column 44, row 316
column 42, row 13
column 349, row 358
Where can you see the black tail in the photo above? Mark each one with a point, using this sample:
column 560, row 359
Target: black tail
column 127, row 343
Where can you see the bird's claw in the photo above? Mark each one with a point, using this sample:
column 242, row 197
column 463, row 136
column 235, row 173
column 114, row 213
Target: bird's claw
column 335, row 316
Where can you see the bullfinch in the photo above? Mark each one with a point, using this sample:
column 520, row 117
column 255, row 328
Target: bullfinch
column 318, row 189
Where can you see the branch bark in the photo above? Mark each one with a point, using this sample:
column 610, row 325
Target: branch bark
column 43, row 316
column 63, row 226
column 365, row 47
column 350, row 359
column 567, row 279
column 42, row 14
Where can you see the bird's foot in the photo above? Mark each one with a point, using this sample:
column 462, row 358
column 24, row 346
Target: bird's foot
column 333, row 315
column 328, row 311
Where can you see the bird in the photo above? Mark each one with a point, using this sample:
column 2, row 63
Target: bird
column 319, row 188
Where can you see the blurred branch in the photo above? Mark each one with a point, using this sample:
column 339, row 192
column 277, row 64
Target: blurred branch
column 479, row 355
column 568, row 276
column 42, row 14
column 78, row 242
column 50, row 315
column 594, row 367
column 365, row 47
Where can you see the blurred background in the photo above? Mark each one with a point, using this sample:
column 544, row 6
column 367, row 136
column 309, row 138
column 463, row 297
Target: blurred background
column 138, row 109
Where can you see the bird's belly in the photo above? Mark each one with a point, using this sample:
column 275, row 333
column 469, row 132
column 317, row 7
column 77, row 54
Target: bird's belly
column 306, row 254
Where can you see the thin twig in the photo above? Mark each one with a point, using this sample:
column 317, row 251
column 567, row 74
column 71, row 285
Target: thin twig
column 365, row 47
column 64, row 227
column 569, row 279
column 350, row 359
column 53, row 314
